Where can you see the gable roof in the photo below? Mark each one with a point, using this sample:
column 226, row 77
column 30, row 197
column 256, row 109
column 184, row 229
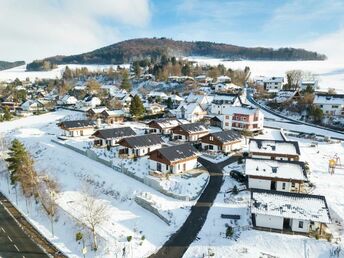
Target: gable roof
column 165, row 123
column 116, row 113
column 141, row 141
column 112, row 133
column 194, row 127
column 290, row 205
column 178, row 152
column 226, row 136
column 276, row 169
column 274, row 146
column 77, row 124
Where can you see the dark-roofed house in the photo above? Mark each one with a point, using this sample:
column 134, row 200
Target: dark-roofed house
column 273, row 149
column 225, row 141
column 286, row 176
column 174, row 159
column 95, row 113
column 189, row 132
column 110, row 136
column 112, row 116
column 76, row 128
column 138, row 146
column 163, row 126
column 285, row 212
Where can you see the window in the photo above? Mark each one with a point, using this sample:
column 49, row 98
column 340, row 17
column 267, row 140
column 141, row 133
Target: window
column 300, row 224
column 335, row 106
column 283, row 186
column 227, row 117
column 226, row 124
column 211, row 138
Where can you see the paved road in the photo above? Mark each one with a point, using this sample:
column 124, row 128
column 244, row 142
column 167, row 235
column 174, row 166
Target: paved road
column 179, row 242
column 311, row 128
column 14, row 243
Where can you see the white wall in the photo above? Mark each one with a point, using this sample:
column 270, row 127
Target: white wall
column 153, row 165
column 267, row 221
column 191, row 164
column 279, row 186
column 259, row 183
column 295, row 225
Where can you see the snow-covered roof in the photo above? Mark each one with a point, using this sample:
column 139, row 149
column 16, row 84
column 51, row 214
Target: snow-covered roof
column 157, row 94
column 194, row 127
column 276, row 169
column 97, row 110
column 225, row 98
column 290, row 205
column 241, row 110
column 113, row 112
column 145, row 140
column 274, row 146
column 327, row 99
column 274, row 79
column 166, row 123
column 190, row 108
column 284, row 95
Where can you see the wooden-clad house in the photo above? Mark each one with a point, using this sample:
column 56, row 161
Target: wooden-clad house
column 112, row 116
column 225, row 141
column 189, row 132
column 173, row 159
column 110, row 136
column 138, row 146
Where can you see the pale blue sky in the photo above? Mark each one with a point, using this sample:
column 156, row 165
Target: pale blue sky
column 39, row 28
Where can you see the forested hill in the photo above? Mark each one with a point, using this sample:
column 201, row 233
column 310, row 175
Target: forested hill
column 8, row 65
column 134, row 49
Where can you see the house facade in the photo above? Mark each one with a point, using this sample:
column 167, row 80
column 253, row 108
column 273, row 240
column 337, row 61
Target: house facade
column 290, row 212
column 192, row 112
column 273, row 84
column 189, row 132
column 286, row 176
column 138, row 146
column 163, row 126
column 112, row 116
column 330, row 104
column 77, row 128
column 111, row 136
column 243, row 118
column 173, row 159
column 225, row 141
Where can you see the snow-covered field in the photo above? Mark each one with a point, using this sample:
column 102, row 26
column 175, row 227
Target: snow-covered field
column 21, row 73
column 75, row 173
column 254, row 243
column 330, row 73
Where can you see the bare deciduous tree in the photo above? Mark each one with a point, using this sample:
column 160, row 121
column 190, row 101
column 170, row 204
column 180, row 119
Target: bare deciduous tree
column 95, row 212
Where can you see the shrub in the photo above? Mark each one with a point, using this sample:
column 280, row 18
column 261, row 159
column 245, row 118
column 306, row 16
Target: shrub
column 78, row 236
column 235, row 190
column 129, row 238
column 229, row 232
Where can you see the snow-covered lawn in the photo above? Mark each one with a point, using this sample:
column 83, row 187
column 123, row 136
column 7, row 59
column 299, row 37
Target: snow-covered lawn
column 74, row 173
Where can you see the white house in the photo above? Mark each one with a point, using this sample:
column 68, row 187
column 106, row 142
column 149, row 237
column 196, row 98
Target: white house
column 76, row 128
column 273, row 84
column 286, row 176
column 312, row 84
column 283, row 211
column 331, row 104
column 162, row 126
column 274, row 149
column 68, row 100
column 137, row 146
column 173, row 159
column 192, row 112
column 32, row 106
column 223, row 79
column 219, row 87
column 242, row 118
column 223, row 101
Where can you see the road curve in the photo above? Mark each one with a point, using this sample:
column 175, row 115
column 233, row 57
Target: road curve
column 296, row 122
column 179, row 242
